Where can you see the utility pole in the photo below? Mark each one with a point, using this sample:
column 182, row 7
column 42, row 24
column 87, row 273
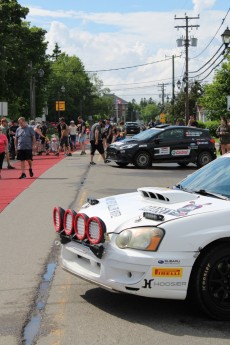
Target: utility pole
column 173, row 83
column 186, row 44
column 162, row 86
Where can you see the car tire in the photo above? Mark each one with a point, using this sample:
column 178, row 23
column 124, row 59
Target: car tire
column 122, row 165
column 210, row 282
column 142, row 160
column 203, row 159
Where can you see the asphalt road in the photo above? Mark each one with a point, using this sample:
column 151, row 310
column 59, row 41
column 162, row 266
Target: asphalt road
column 41, row 304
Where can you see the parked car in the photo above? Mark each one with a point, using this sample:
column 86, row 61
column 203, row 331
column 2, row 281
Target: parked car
column 171, row 144
column 171, row 243
column 132, row 128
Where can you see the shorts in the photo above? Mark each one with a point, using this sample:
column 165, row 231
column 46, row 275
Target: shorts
column 82, row 138
column 99, row 147
column 24, row 155
column 64, row 141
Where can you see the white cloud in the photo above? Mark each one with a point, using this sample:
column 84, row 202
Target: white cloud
column 121, row 40
column 200, row 5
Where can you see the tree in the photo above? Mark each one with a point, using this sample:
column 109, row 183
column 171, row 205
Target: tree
column 20, row 45
column 150, row 112
column 214, row 99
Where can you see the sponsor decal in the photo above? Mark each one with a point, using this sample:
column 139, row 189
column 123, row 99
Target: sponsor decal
column 167, row 272
column 113, row 207
column 169, row 262
column 144, row 145
column 185, row 152
column 202, row 142
column 180, row 212
column 192, row 134
column 162, row 151
column 148, row 284
column 169, row 284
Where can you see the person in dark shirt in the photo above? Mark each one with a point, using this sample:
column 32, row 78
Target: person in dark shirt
column 192, row 122
column 96, row 141
column 12, row 131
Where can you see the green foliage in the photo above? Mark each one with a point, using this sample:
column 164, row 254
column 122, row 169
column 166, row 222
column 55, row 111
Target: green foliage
column 212, row 127
column 214, row 99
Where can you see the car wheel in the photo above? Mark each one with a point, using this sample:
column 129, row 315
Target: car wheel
column 142, row 160
column 210, row 282
column 203, row 159
column 122, row 164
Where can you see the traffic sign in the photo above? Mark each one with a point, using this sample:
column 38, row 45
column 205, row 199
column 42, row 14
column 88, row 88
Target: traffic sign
column 60, row 105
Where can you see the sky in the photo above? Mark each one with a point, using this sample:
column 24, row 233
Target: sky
column 130, row 43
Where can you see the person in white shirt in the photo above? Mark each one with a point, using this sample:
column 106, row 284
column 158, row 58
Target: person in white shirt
column 73, row 134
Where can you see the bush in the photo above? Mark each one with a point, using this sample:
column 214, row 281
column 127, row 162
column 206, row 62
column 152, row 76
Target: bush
column 212, row 127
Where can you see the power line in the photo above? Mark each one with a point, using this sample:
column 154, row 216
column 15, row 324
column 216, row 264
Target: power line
column 223, row 20
column 208, row 60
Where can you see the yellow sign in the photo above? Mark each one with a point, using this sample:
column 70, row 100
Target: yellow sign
column 162, row 117
column 167, row 272
column 60, row 105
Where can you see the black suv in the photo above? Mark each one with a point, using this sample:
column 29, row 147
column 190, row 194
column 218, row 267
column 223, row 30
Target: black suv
column 132, row 128
column 172, row 144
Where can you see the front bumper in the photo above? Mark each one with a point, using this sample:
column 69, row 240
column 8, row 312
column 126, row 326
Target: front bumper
column 128, row 271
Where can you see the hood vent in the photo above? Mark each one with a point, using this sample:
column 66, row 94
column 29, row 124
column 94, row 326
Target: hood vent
column 155, row 196
column 166, row 195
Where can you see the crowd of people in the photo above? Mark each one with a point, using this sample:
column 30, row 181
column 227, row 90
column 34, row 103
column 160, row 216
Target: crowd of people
column 20, row 140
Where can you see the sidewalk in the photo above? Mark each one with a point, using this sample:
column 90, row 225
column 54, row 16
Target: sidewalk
column 10, row 184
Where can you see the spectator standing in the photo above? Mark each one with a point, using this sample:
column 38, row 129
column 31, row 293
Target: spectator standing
column 5, row 130
column 64, row 141
column 96, row 141
column 192, row 121
column 82, row 134
column 24, row 142
column 12, row 131
column 109, row 133
column 223, row 132
column 3, row 149
column 73, row 134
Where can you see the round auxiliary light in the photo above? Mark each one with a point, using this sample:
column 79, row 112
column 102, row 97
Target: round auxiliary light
column 95, row 230
column 80, row 222
column 58, row 217
column 69, row 221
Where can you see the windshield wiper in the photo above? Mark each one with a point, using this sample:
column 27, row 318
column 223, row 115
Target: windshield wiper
column 215, row 195
column 179, row 186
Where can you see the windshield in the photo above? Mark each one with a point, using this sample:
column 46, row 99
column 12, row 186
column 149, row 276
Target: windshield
column 147, row 134
column 212, row 178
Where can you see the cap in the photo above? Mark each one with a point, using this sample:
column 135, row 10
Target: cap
column 72, row 121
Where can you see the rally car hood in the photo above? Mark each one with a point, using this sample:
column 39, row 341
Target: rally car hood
column 144, row 207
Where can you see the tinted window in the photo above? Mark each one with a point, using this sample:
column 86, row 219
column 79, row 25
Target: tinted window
column 175, row 133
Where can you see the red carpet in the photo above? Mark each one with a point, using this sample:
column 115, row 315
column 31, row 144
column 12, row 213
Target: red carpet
column 10, row 184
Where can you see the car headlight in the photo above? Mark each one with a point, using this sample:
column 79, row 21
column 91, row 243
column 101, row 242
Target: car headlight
column 142, row 238
column 128, row 146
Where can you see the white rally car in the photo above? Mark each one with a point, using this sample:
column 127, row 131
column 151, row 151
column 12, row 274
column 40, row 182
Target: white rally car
column 157, row 242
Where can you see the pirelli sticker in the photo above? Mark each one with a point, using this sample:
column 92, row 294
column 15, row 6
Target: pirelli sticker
column 167, row 272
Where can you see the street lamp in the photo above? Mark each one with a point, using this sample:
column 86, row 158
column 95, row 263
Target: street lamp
column 226, row 37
